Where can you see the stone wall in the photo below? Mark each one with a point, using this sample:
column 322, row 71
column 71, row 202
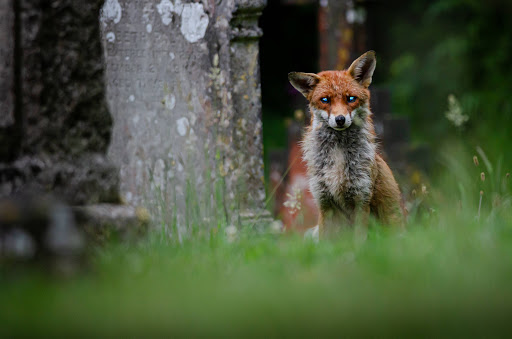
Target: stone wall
column 184, row 91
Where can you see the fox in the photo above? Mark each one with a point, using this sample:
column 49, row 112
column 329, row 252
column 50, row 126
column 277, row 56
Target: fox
column 348, row 177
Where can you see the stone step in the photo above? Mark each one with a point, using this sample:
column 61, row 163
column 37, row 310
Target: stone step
column 41, row 229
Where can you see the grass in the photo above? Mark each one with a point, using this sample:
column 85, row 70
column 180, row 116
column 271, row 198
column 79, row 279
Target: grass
column 448, row 274
column 451, row 278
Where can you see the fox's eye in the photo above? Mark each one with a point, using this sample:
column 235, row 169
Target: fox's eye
column 351, row 99
column 325, row 100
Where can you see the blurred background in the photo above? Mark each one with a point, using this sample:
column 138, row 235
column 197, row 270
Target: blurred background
column 442, row 82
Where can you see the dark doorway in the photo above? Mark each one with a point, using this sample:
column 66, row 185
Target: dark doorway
column 289, row 43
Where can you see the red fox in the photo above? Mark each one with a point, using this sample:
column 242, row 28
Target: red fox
column 348, row 178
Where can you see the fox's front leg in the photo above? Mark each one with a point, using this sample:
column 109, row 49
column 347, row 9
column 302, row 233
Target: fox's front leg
column 360, row 215
column 360, row 221
column 331, row 222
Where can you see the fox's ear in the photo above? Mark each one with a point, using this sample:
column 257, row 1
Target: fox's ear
column 303, row 82
column 362, row 68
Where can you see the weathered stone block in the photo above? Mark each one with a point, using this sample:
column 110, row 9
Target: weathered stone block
column 183, row 88
column 7, row 51
column 55, row 129
column 59, row 134
column 6, row 63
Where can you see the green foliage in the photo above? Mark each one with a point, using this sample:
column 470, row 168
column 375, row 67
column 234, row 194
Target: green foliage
column 443, row 47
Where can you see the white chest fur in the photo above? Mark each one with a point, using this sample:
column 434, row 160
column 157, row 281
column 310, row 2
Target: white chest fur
column 340, row 165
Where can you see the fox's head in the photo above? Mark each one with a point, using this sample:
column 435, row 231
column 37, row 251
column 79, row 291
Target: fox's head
column 340, row 98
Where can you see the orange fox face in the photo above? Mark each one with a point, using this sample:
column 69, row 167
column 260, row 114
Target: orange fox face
column 338, row 98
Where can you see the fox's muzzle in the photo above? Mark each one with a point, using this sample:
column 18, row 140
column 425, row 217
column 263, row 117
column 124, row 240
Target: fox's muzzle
column 340, row 120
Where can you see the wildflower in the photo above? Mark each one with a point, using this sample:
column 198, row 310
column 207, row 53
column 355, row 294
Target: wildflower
column 475, row 160
column 454, row 113
column 482, row 176
column 293, row 202
column 424, row 190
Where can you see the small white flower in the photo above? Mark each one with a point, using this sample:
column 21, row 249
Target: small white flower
column 293, row 202
column 454, row 113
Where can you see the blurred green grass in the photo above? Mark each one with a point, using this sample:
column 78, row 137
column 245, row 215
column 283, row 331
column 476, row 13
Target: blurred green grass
column 449, row 273
column 446, row 275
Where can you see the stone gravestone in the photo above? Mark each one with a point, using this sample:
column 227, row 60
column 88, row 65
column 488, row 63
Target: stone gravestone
column 183, row 87
column 55, row 126
column 54, row 111
column 54, row 117
column 6, row 78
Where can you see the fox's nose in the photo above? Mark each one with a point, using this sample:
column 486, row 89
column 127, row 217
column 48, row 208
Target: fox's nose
column 340, row 120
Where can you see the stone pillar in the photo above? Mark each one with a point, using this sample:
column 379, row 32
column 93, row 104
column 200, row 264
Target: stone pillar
column 246, row 92
column 183, row 87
